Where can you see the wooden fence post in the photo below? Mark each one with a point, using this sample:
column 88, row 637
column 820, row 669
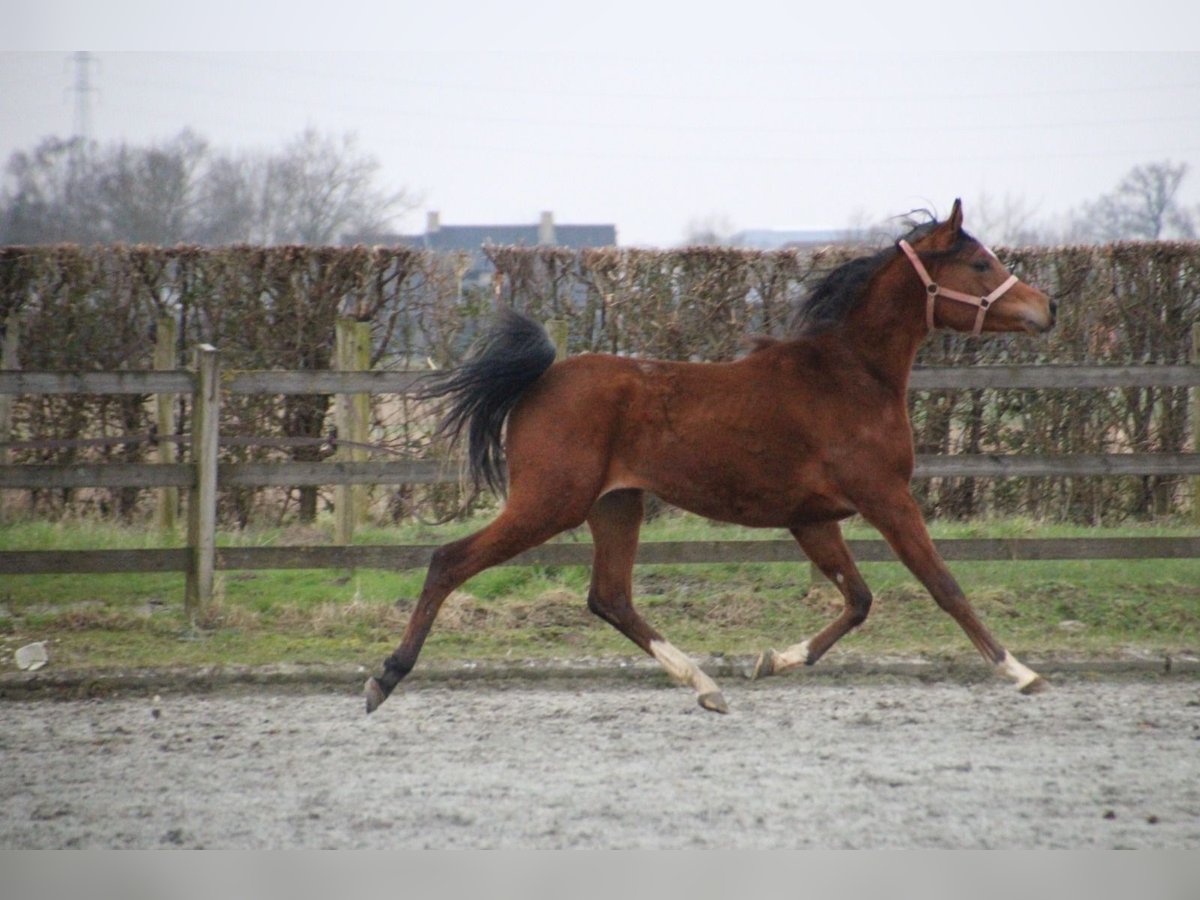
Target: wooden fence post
column 1195, row 360
column 202, row 502
column 557, row 329
column 352, row 413
column 8, row 360
column 167, row 333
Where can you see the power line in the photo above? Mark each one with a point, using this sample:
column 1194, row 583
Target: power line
column 492, row 86
column 475, row 116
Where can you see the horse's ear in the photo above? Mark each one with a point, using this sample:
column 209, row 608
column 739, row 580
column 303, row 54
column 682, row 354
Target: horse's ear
column 948, row 231
column 954, row 223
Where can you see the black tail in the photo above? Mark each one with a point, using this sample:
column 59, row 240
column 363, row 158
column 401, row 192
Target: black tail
column 483, row 390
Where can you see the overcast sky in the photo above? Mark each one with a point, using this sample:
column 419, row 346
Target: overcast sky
column 649, row 115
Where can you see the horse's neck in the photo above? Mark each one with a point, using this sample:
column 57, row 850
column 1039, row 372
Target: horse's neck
column 887, row 355
column 886, row 335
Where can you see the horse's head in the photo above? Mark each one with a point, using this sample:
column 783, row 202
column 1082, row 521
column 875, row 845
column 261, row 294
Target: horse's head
column 968, row 289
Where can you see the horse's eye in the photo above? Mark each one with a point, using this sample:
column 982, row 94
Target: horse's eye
column 981, row 265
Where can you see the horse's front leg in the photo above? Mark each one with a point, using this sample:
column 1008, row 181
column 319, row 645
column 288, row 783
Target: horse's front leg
column 825, row 547
column 898, row 519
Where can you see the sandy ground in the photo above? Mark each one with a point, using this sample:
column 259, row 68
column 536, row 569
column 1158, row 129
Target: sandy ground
column 797, row 763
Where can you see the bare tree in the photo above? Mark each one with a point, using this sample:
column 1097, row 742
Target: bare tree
column 864, row 229
column 229, row 199
column 72, row 191
column 715, row 229
column 1008, row 222
column 314, row 191
column 1144, row 206
column 47, row 196
column 320, row 188
column 148, row 195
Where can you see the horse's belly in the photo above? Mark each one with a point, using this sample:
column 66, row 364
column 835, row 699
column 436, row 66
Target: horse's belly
column 761, row 507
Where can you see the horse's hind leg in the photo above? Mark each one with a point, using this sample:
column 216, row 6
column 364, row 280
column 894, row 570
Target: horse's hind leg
column 825, row 546
column 615, row 520
column 511, row 533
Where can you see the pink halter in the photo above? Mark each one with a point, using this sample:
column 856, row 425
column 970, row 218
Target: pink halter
column 933, row 290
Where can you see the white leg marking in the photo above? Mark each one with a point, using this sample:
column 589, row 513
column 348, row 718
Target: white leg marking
column 793, row 656
column 680, row 667
column 1022, row 675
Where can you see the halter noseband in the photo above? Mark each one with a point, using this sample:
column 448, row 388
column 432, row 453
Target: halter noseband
column 933, row 290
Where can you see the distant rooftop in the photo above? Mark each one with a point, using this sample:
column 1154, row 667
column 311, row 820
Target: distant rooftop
column 472, row 238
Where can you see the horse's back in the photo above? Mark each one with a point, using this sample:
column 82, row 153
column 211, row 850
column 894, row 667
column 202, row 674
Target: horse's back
column 714, row 438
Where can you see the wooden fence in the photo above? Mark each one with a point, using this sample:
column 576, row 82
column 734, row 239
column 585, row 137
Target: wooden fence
column 204, row 475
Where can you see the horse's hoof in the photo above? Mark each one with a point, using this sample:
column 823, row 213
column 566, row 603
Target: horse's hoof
column 714, row 702
column 765, row 665
column 375, row 695
column 1037, row 686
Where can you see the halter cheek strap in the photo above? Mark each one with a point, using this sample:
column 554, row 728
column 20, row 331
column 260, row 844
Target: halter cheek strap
column 933, row 290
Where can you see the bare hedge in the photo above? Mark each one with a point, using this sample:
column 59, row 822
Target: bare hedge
column 95, row 308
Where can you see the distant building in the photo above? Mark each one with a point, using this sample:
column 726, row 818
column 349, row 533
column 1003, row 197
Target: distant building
column 472, row 238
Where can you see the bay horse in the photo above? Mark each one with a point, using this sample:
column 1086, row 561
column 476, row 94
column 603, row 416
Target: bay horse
column 798, row 434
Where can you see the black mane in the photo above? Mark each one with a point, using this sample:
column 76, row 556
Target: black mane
column 841, row 289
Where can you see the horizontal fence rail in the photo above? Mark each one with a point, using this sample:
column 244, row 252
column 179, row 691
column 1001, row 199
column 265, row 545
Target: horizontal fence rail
column 402, row 382
column 413, row 556
column 201, row 556
column 427, row 471
column 175, row 382
column 1052, row 376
